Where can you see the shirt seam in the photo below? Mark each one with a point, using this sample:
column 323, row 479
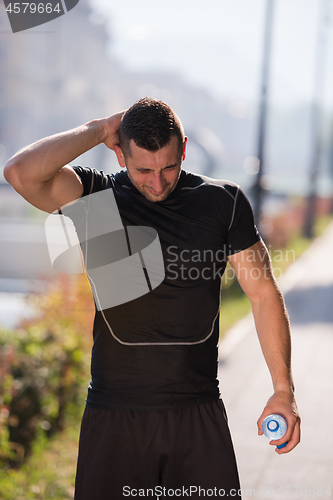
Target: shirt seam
column 234, row 209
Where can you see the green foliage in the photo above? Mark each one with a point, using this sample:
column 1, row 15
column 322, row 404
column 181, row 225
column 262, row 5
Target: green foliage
column 44, row 368
column 49, row 472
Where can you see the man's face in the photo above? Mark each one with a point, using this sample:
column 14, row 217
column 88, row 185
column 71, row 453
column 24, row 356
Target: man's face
column 155, row 174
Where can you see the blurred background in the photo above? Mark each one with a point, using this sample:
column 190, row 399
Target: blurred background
column 252, row 82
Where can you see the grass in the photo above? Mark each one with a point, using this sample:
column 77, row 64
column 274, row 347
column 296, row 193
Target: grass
column 233, row 308
column 49, row 472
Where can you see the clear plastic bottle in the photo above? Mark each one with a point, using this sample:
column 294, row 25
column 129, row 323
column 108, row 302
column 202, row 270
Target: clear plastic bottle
column 274, row 427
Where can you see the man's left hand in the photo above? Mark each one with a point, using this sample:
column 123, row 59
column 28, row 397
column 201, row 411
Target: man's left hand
column 283, row 403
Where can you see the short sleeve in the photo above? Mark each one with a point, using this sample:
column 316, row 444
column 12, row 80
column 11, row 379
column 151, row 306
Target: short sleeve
column 93, row 180
column 242, row 232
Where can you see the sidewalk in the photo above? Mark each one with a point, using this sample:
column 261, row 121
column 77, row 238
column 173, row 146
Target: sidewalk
column 245, row 386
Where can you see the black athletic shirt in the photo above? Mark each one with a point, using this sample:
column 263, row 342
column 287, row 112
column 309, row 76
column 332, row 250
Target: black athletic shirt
column 159, row 351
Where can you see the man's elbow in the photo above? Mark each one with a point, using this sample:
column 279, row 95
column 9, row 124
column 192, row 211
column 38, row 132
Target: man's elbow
column 13, row 174
column 10, row 173
column 268, row 293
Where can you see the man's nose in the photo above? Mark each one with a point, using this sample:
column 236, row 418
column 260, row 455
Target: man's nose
column 157, row 182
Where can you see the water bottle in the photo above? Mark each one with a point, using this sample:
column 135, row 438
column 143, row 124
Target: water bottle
column 274, row 427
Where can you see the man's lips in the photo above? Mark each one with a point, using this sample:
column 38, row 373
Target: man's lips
column 156, row 193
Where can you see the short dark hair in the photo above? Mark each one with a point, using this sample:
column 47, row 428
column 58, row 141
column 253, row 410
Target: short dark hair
column 151, row 124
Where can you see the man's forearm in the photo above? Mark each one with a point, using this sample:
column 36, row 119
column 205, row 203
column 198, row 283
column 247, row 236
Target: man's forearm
column 41, row 161
column 273, row 330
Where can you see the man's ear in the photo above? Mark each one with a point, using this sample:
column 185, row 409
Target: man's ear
column 184, row 149
column 120, row 156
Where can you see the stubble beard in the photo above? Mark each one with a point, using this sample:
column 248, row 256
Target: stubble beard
column 146, row 192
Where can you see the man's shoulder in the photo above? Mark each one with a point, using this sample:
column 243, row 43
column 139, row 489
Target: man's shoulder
column 97, row 180
column 193, row 181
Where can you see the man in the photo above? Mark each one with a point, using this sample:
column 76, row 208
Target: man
column 154, row 417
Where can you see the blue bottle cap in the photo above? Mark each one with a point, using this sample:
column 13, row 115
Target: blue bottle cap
column 282, row 445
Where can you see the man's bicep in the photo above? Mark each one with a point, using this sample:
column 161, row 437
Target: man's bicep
column 253, row 270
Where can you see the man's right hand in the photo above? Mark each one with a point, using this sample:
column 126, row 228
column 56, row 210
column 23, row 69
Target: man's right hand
column 40, row 172
column 111, row 130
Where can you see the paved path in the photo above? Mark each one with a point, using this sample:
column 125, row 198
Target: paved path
column 245, row 386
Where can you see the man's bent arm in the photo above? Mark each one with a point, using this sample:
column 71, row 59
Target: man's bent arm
column 39, row 172
column 254, row 273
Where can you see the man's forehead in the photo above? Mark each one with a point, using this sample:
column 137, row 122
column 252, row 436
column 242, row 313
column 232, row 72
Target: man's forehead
column 167, row 155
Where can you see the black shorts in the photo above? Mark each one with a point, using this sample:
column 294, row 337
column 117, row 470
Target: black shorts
column 179, row 453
